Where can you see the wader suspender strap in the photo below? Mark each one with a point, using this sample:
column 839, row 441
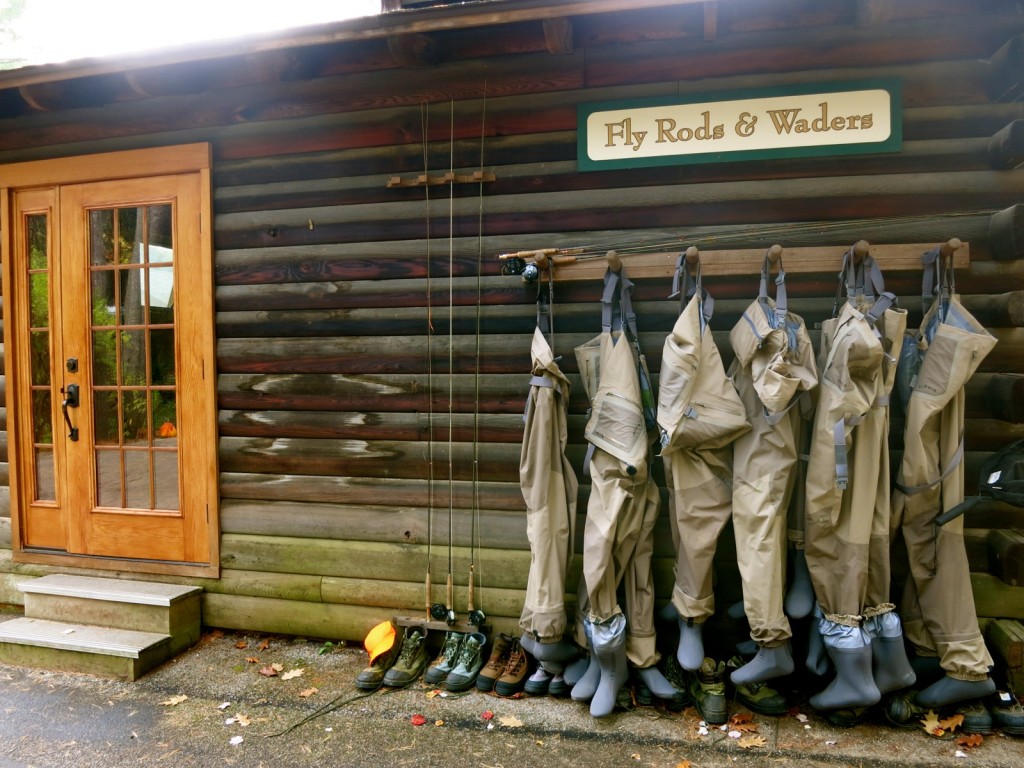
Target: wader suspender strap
column 863, row 280
column 545, row 323
column 682, row 288
column 956, row 459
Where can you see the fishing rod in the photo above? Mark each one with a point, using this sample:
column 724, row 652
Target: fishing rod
column 424, row 126
column 450, row 589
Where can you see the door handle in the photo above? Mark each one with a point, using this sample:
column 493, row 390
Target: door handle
column 70, row 401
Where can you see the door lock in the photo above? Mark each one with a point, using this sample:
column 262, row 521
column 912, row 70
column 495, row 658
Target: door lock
column 70, row 401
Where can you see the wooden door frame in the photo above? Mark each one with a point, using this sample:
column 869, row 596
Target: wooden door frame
column 184, row 159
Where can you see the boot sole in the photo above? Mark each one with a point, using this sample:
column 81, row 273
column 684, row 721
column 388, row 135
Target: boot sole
column 485, row 684
column 508, row 690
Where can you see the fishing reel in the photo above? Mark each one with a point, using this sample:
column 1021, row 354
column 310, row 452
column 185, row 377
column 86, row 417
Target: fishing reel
column 514, row 265
column 476, row 618
column 439, row 612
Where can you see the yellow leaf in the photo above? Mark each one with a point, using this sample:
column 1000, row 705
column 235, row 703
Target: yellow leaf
column 974, row 740
column 930, row 723
column 264, row 645
column 439, row 723
column 243, row 720
column 278, row 667
column 750, row 741
column 510, row 721
column 309, row 692
column 174, row 700
column 635, row 755
column 685, row 764
column 952, row 723
column 292, row 673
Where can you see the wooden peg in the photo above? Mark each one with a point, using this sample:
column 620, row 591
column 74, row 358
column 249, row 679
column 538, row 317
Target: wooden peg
column 692, row 255
column 540, row 258
column 774, row 254
column 861, row 249
column 614, row 262
column 948, row 248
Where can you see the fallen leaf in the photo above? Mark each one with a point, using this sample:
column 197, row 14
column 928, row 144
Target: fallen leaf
column 309, row 692
column 510, row 721
column 539, row 743
column 236, row 740
column 277, row 667
column 745, row 727
column 740, row 718
column 225, row 705
column 292, row 673
column 635, row 756
column 438, row 723
column 487, row 715
column 801, row 717
column 959, row 753
column 174, row 700
column 252, row 659
column 930, row 723
column 685, row 764
column 433, row 694
column 750, row 741
column 268, row 672
column 973, row 740
column 242, row 645
column 264, row 645
column 952, row 723
column 417, row 719
column 243, row 720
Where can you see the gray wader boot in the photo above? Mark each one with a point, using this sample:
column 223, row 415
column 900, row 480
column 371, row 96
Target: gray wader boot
column 767, row 664
column 891, row 667
column 609, row 648
column 817, row 659
column 850, row 651
column 690, row 653
column 799, row 600
column 587, row 685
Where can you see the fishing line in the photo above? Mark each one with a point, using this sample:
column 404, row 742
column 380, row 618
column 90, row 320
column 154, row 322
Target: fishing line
column 450, row 618
column 424, row 128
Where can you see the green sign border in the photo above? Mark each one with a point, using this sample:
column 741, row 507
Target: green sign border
column 892, row 144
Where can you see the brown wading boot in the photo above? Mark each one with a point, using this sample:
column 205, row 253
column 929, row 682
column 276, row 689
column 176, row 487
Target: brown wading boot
column 514, row 678
column 495, row 666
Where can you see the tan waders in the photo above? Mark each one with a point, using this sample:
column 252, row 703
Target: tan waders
column 938, row 603
column 773, row 372
column 549, row 487
column 699, row 415
column 622, row 508
column 847, row 503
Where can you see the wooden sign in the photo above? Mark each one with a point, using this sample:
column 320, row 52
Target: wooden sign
column 797, row 121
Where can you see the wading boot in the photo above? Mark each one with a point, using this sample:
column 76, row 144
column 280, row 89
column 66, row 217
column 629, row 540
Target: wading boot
column 558, row 686
column 690, row 653
column 799, row 599
column 557, row 651
column 411, row 660
column 464, row 673
column 539, row 682
column 949, row 690
column 707, row 689
column 854, row 685
column 371, row 678
column 495, row 666
column 1007, row 714
column 977, row 718
column 514, row 678
column 446, row 660
column 890, row 665
column 585, row 687
column 574, row 670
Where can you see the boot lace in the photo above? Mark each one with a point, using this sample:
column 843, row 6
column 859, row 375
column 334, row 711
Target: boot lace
column 409, row 646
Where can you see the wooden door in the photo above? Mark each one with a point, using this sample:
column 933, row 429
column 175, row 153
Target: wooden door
column 112, row 342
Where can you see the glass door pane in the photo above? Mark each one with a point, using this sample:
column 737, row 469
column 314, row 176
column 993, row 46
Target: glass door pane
column 132, row 336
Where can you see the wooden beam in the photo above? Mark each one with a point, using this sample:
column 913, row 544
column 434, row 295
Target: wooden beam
column 871, row 13
column 415, row 50
column 1006, row 234
column 558, row 35
column 748, row 261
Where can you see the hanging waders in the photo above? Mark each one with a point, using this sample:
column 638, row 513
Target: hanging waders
column 699, row 415
column 623, row 505
column 549, row 488
column 938, row 602
column 847, row 508
column 773, row 372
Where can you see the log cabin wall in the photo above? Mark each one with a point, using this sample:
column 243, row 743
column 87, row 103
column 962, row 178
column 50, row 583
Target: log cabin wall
column 372, row 360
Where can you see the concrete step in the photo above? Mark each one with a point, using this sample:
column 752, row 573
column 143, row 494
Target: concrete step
column 121, row 654
column 166, row 609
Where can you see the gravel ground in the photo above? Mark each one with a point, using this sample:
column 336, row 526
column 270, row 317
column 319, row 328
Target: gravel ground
column 53, row 719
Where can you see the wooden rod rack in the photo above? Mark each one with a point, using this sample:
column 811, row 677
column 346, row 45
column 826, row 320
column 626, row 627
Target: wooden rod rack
column 746, row 261
column 426, row 180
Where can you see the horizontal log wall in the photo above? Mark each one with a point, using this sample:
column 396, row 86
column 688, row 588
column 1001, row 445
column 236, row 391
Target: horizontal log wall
column 351, row 374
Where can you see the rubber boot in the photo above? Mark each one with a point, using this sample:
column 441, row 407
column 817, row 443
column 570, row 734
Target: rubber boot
column 587, row 685
column 799, row 599
column 575, row 670
column 609, row 648
column 817, row 659
column 557, row 651
column 949, row 690
column 890, row 665
column 690, row 653
column 767, row 664
column 656, row 683
column 850, row 651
